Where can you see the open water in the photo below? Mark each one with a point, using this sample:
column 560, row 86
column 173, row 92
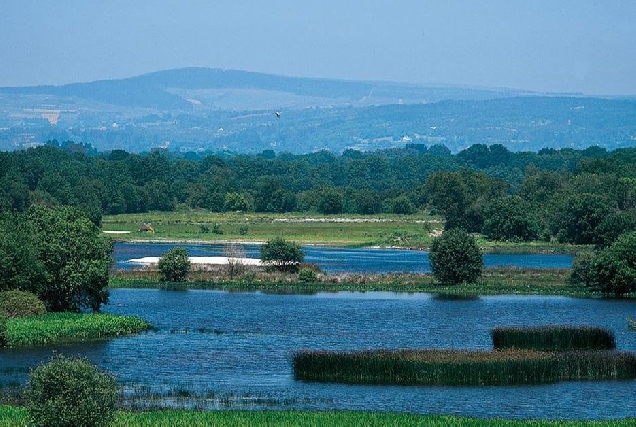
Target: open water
column 215, row 349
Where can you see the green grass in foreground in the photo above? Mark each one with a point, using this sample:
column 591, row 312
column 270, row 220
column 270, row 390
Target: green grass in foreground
column 13, row 416
column 70, row 327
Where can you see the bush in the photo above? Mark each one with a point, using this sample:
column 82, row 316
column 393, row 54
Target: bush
column 282, row 255
column 70, row 392
column 174, row 265
column 307, row 275
column 20, row 304
column 456, row 258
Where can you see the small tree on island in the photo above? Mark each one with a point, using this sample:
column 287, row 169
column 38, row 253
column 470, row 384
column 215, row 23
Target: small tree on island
column 456, row 258
column 282, row 255
column 174, row 265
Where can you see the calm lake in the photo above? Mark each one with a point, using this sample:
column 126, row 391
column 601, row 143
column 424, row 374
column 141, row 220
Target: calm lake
column 217, row 349
column 336, row 260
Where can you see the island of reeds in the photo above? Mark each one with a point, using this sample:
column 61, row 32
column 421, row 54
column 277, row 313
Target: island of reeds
column 521, row 357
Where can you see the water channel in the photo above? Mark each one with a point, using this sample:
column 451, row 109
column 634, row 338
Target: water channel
column 336, row 260
column 217, row 349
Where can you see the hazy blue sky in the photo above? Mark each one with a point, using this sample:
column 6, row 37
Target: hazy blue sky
column 542, row 45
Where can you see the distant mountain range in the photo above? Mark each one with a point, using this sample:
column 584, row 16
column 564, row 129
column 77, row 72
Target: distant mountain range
column 202, row 109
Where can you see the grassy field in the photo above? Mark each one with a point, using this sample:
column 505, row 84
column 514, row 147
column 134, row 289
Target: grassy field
column 70, row 327
column 13, row 416
column 389, row 230
column 406, row 231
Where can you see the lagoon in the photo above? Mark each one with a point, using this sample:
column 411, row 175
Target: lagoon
column 215, row 349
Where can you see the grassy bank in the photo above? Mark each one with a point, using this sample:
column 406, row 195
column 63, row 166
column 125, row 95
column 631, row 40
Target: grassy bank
column 70, row 327
column 12, row 416
column 497, row 281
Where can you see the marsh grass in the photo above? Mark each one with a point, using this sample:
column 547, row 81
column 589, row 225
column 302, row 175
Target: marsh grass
column 70, row 327
column 461, row 367
column 553, row 338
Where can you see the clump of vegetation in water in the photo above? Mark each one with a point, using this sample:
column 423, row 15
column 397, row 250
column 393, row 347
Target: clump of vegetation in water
column 553, row 338
column 70, row 392
column 461, row 367
column 533, row 355
column 70, row 327
column 174, row 265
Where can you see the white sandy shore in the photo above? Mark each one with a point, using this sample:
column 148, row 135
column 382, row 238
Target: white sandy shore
column 149, row 260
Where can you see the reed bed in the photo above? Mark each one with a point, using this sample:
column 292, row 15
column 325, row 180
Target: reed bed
column 70, row 327
column 461, row 367
column 553, row 338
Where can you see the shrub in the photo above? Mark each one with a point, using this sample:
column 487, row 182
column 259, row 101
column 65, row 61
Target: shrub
column 70, row 392
column 20, row 304
column 282, row 255
column 174, row 265
column 307, row 275
column 456, row 258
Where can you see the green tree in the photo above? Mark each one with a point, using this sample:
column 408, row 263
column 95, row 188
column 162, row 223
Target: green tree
column 70, row 392
column 282, row 255
column 331, row 201
column 175, row 265
column 455, row 258
column 509, row 219
column 20, row 266
column 577, row 216
column 76, row 257
column 613, row 270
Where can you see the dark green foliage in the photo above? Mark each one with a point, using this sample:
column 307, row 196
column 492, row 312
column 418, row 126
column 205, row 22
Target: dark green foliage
column 20, row 265
column 580, row 272
column 611, row 270
column 330, row 202
column 461, row 367
column 76, row 257
column 20, row 304
column 175, row 265
column 553, row 338
column 509, row 219
column 282, row 255
column 455, row 258
column 70, row 392
column 308, row 275
column 578, row 216
column 402, row 205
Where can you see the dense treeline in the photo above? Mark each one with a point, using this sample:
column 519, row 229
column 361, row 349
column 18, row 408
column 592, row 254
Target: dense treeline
column 576, row 196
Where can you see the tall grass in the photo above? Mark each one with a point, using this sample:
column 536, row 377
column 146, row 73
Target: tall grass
column 553, row 338
column 70, row 327
column 461, row 367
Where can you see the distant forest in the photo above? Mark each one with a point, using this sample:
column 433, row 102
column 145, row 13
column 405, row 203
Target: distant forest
column 575, row 196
